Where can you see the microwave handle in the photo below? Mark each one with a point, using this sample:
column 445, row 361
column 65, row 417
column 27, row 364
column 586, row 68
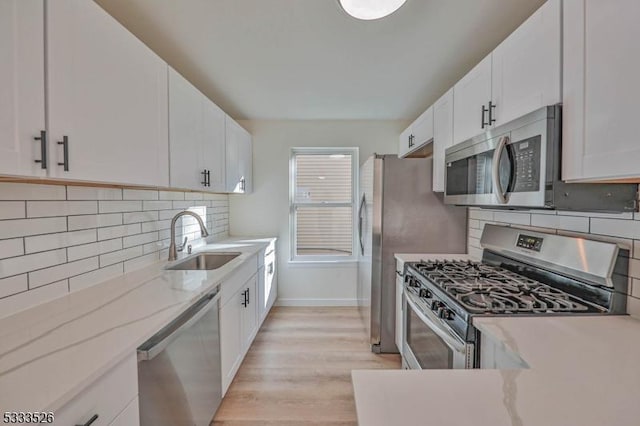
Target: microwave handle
column 495, row 170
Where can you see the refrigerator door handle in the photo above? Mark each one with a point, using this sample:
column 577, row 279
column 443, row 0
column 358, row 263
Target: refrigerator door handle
column 360, row 210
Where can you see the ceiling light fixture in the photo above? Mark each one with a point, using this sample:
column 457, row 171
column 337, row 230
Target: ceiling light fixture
column 370, row 9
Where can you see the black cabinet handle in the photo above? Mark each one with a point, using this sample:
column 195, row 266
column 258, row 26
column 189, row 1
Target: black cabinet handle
column 248, row 299
column 244, row 299
column 492, row 106
column 65, row 152
column 242, row 184
column 43, row 148
column 208, row 177
column 270, row 269
column 90, row 421
column 204, row 176
column 484, row 111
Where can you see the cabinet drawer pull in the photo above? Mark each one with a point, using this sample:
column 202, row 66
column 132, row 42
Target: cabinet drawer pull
column 208, row 177
column 492, row 106
column 484, row 111
column 43, row 148
column 90, row 421
column 244, row 302
column 248, row 299
column 65, row 152
column 204, row 176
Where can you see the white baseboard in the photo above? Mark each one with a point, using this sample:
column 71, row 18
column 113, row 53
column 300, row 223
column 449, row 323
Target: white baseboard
column 316, row 302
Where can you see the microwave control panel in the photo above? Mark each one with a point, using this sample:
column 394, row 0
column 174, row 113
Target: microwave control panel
column 526, row 155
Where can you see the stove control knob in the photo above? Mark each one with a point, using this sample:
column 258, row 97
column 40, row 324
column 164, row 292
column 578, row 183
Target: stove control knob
column 425, row 293
column 435, row 305
column 407, row 278
column 446, row 314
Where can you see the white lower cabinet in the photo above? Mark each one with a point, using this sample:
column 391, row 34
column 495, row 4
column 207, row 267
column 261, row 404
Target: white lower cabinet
column 493, row 355
column 109, row 398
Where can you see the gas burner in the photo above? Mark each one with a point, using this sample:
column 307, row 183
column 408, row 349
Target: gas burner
column 482, row 288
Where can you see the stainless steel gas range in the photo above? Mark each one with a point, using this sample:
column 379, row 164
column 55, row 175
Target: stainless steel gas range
column 522, row 272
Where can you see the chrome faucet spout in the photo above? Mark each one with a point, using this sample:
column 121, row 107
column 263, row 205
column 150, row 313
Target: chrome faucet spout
column 173, row 253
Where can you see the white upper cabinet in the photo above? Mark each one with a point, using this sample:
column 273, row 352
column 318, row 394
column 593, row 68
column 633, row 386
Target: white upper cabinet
column 239, row 158
column 521, row 75
column 22, row 87
column 417, row 135
column 471, row 96
column 526, row 67
column 442, row 137
column 601, row 90
column 185, row 133
column 213, row 146
column 107, row 99
column 196, row 138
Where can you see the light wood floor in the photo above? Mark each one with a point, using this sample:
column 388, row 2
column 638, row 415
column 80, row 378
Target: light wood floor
column 298, row 370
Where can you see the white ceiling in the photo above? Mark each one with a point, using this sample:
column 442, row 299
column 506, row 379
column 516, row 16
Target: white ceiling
column 307, row 59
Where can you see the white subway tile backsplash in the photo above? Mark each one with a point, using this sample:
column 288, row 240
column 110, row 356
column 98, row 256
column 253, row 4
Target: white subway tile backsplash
column 120, row 256
column 137, row 217
column 95, row 277
column 119, row 206
column 569, row 223
column 94, row 221
column 140, row 239
column 512, row 218
column 13, row 285
column 193, row 196
column 118, row 231
column 53, row 241
column 60, row 208
column 93, row 193
column 11, row 248
column 31, row 262
column 25, row 227
column 622, row 216
column 12, row 210
column 171, row 195
column 473, row 223
column 66, row 270
column 157, row 205
column 140, row 262
column 473, row 214
column 28, row 191
column 156, row 226
column 616, row 227
column 55, row 238
column 139, row 194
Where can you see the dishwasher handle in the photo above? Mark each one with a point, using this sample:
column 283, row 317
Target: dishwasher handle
column 156, row 344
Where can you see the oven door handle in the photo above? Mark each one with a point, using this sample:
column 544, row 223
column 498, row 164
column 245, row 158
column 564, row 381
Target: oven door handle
column 500, row 193
column 453, row 341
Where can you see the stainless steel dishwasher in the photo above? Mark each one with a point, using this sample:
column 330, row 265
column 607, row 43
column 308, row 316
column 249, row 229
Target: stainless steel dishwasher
column 179, row 376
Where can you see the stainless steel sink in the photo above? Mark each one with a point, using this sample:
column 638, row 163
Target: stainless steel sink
column 204, row 261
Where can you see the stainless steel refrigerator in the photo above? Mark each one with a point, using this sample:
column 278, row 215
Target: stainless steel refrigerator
column 398, row 213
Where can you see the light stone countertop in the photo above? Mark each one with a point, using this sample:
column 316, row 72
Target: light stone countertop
column 49, row 353
column 584, row 371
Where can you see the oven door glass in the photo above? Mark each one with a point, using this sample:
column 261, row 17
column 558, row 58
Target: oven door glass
column 427, row 347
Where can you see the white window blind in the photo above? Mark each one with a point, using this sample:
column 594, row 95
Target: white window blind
column 323, row 193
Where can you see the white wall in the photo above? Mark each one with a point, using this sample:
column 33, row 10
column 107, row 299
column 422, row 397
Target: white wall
column 266, row 211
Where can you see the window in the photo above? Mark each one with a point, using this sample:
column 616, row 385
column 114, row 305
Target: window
column 323, row 191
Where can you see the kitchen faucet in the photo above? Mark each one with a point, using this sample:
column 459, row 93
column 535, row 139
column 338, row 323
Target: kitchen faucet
column 173, row 254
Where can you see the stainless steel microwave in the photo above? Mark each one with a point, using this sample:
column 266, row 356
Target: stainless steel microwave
column 517, row 165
